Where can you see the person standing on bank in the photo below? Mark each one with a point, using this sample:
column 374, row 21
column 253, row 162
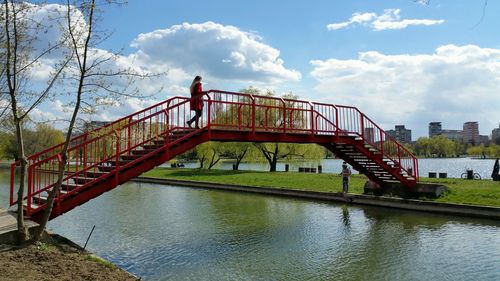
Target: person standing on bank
column 196, row 102
column 346, row 173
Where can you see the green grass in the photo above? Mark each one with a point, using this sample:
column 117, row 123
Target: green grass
column 44, row 247
column 471, row 192
column 99, row 260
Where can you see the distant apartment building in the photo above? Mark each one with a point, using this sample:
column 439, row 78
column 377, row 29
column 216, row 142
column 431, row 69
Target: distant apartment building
column 495, row 135
column 91, row 125
column 471, row 133
column 484, row 139
column 455, row 135
column 401, row 134
column 435, row 129
column 370, row 134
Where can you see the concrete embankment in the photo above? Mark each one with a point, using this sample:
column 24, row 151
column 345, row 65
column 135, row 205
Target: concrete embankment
column 381, row 201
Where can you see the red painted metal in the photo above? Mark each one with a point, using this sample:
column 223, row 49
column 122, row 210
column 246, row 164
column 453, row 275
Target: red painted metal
column 105, row 157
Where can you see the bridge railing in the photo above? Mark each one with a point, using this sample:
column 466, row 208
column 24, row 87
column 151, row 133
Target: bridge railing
column 353, row 121
column 88, row 160
column 105, row 146
column 259, row 113
column 326, row 122
column 266, row 113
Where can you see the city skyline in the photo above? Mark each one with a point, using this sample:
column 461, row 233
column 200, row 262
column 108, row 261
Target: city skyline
column 434, row 128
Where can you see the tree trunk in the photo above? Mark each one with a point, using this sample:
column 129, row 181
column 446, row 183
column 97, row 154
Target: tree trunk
column 22, row 231
column 213, row 162
column 239, row 158
column 64, row 152
column 274, row 159
column 10, row 68
column 202, row 161
column 273, row 167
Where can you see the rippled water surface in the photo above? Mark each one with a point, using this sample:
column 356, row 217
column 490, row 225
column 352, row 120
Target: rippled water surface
column 177, row 233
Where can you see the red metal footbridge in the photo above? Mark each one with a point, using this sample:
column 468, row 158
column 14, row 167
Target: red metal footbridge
column 104, row 158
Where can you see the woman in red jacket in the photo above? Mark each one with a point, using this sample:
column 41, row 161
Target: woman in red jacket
column 196, row 102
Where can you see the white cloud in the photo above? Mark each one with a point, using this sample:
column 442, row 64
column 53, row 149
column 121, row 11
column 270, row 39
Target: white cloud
column 455, row 84
column 423, row 2
column 355, row 18
column 223, row 52
column 42, row 70
column 390, row 19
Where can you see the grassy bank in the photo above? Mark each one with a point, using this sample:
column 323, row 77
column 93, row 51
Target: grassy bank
column 472, row 192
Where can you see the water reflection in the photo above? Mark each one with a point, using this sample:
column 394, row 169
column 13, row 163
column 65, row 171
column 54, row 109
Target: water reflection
column 4, row 188
column 345, row 216
column 175, row 233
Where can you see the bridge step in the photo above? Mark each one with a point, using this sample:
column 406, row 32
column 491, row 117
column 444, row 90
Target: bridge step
column 141, row 152
column 96, row 174
column 70, row 186
column 121, row 162
column 151, row 146
column 369, row 159
column 159, row 143
column 33, row 206
column 106, row 168
column 39, row 200
column 82, row 180
column 130, row 157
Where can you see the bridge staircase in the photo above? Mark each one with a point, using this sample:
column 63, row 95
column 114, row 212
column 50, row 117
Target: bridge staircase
column 104, row 158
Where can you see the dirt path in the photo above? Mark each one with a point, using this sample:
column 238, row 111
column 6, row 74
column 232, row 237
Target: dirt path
column 55, row 262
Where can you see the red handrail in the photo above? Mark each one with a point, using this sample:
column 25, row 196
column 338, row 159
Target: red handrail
column 240, row 112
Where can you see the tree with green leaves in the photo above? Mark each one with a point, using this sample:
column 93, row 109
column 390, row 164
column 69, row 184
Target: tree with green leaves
column 35, row 140
column 4, row 142
column 274, row 152
column 482, row 150
column 237, row 151
column 272, row 116
column 208, row 154
column 437, row 146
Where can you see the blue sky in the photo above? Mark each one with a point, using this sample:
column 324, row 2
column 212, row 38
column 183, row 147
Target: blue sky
column 400, row 61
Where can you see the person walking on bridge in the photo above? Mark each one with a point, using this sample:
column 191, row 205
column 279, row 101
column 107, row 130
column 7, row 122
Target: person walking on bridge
column 196, row 102
column 346, row 173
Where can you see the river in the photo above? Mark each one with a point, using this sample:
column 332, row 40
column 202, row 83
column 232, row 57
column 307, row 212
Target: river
column 162, row 232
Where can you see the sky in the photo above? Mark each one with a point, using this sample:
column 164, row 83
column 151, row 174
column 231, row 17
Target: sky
column 400, row 61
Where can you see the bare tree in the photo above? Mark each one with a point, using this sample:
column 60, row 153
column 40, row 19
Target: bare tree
column 93, row 75
column 18, row 57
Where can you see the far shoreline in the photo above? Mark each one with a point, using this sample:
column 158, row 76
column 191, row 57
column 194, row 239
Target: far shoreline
column 478, row 211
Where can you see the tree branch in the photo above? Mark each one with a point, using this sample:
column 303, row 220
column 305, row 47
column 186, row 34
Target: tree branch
column 47, row 90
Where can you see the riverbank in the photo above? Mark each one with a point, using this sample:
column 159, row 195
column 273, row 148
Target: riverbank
column 468, row 192
column 379, row 201
column 57, row 259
